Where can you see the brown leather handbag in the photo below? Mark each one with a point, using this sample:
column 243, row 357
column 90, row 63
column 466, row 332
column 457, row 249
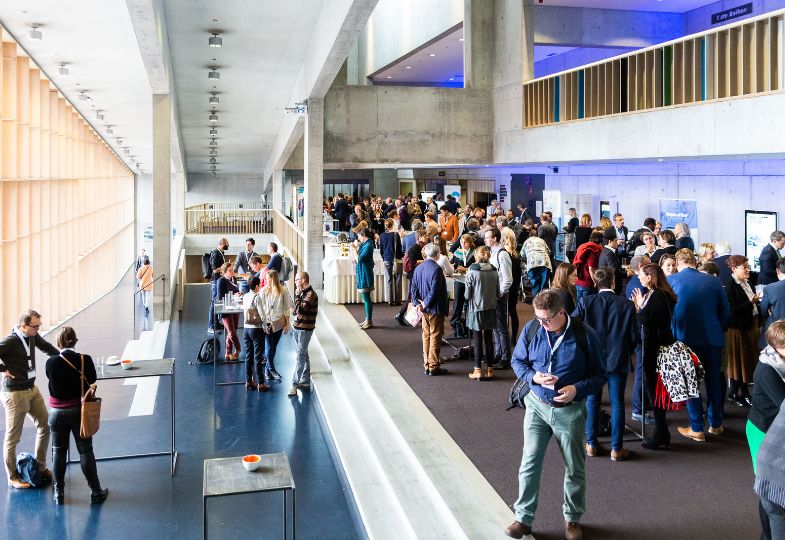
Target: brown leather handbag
column 91, row 405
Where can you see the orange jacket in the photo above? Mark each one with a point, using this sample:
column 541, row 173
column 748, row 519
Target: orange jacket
column 449, row 228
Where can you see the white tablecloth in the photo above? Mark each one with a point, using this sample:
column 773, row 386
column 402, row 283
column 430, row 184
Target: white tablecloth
column 340, row 282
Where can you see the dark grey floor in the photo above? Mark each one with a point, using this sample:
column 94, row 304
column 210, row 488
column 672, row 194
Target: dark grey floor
column 144, row 501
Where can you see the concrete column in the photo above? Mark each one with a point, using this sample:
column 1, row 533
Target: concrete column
column 527, row 41
column 162, row 209
column 277, row 182
column 313, row 176
column 478, row 43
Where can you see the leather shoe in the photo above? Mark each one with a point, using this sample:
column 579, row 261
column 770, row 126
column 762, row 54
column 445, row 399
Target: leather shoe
column 262, row 387
column 573, row 531
column 400, row 320
column 17, row 483
column 698, row 436
column 98, row 497
column 716, row 430
column 437, row 371
column 620, row 455
column 517, row 530
column 736, row 400
column 591, row 450
column 46, row 475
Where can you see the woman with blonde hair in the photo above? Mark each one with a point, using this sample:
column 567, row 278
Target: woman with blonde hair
column 705, row 253
column 605, row 223
column 275, row 312
column 510, row 245
column 683, row 240
column 583, row 231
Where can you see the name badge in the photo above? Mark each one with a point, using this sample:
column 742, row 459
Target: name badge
column 31, row 374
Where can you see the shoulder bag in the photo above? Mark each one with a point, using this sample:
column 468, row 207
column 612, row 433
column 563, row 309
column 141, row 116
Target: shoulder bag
column 252, row 315
column 91, row 405
column 272, row 326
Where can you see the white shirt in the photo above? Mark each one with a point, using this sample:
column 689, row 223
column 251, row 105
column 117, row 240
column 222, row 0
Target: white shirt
column 503, row 263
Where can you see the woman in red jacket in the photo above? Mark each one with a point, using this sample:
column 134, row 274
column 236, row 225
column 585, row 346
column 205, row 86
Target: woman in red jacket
column 586, row 260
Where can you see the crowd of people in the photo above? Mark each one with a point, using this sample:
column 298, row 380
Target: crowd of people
column 623, row 302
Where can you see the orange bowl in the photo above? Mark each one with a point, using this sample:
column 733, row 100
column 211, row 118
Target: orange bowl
column 126, row 364
column 252, row 462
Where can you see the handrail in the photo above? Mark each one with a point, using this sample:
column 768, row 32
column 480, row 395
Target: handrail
column 738, row 59
column 161, row 278
column 228, row 218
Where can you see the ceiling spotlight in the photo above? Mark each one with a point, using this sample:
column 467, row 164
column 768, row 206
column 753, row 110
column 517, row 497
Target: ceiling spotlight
column 63, row 70
column 213, row 74
column 432, row 54
column 83, row 96
column 213, row 131
column 214, row 99
column 213, row 117
column 109, row 130
column 35, row 33
column 213, row 160
column 213, row 142
column 215, row 40
column 99, row 115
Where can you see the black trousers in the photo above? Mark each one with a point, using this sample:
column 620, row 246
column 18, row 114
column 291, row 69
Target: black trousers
column 63, row 423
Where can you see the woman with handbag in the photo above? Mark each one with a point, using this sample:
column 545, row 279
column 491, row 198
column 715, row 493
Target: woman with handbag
column 253, row 335
column 70, row 376
column 364, row 273
column 482, row 293
column 227, row 284
column 655, row 311
column 145, row 277
column 741, row 339
column 276, row 310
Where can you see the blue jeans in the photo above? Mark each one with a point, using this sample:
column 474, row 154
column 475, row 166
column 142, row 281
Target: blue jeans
column 254, row 353
column 213, row 294
column 581, row 291
column 711, row 358
column 538, row 277
column 637, row 386
column 270, row 347
column 501, row 333
column 302, row 369
column 617, row 382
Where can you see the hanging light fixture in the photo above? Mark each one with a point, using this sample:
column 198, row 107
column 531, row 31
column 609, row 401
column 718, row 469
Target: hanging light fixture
column 35, row 33
column 215, row 40
column 213, row 74
column 213, row 117
column 63, row 70
column 214, row 100
column 213, row 142
column 119, row 140
column 83, row 96
column 99, row 115
column 109, row 130
column 213, row 160
column 213, row 131
column 127, row 151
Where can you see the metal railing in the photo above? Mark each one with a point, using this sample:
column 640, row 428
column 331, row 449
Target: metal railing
column 228, row 218
column 741, row 59
column 289, row 236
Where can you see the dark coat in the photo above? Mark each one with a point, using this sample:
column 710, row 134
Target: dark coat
column 14, row 359
column 702, row 312
column 740, row 306
column 772, row 308
column 768, row 393
column 429, row 285
column 243, row 261
column 341, row 209
column 655, row 324
column 685, row 242
column 390, row 246
column 614, row 320
column 657, row 255
column 768, row 261
column 609, row 258
column 217, row 260
column 722, row 263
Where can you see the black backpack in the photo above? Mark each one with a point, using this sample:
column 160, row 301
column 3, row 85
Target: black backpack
column 207, row 270
column 521, row 387
column 209, row 351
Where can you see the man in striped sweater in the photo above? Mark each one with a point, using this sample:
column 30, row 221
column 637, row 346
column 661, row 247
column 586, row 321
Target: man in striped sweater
column 306, row 306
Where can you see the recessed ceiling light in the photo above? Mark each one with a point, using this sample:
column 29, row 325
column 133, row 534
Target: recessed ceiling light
column 452, row 79
column 408, row 67
column 214, row 74
column 460, row 39
column 215, row 40
column 389, row 77
column 63, row 70
column 432, row 54
column 35, row 33
column 214, row 100
column 213, row 117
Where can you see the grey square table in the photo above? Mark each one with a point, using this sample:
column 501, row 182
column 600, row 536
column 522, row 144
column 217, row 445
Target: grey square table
column 220, row 309
column 144, row 368
column 227, row 476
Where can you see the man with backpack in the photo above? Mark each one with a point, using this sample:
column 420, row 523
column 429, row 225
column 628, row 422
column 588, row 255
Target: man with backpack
column 562, row 364
column 502, row 261
column 217, row 260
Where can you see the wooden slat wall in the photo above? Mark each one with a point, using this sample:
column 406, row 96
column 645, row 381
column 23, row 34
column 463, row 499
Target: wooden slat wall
column 66, row 226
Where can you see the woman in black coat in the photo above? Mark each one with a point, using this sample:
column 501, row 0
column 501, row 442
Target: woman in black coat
column 66, row 388
column 655, row 311
column 741, row 340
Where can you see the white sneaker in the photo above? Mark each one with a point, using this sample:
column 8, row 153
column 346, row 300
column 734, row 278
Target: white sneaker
column 292, row 391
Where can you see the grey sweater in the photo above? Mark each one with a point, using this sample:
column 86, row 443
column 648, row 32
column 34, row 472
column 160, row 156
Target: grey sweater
column 482, row 287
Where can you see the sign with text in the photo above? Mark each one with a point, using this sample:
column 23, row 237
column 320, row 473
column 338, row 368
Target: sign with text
column 733, row 13
column 551, row 202
column 673, row 211
column 758, row 227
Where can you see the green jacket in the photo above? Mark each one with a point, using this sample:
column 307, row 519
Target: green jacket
column 364, row 268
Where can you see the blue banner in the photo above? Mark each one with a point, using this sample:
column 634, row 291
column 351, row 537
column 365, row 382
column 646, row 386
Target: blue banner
column 673, row 211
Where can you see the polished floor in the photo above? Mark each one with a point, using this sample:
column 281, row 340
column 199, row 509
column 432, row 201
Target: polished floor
column 144, row 500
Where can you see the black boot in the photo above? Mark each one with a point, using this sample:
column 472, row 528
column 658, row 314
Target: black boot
column 87, row 461
column 661, row 437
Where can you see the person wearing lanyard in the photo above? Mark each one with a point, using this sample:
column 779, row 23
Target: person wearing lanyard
column 561, row 372
column 20, row 396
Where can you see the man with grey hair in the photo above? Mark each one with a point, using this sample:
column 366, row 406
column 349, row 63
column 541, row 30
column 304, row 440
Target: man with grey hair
column 561, row 360
column 769, row 257
column 722, row 252
column 20, row 395
column 408, row 240
column 428, row 290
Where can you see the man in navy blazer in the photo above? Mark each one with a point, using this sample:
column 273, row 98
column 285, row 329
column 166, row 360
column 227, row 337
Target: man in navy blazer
column 772, row 305
column 769, row 257
column 639, row 402
column 613, row 318
column 700, row 318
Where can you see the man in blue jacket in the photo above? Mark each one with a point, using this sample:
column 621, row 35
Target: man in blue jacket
column 772, row 304
column 613, row 318
column 561, row 375
column 772, row 253
column 429, row 293
column 639, row 402
column 700, row 317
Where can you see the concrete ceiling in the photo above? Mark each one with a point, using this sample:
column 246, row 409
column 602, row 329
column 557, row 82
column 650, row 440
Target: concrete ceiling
column 264, row 47
column 96, row 39
column 664, row 6
column 419, row 67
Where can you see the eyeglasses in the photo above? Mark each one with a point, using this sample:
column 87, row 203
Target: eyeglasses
column 33, row 326
column 549, row 319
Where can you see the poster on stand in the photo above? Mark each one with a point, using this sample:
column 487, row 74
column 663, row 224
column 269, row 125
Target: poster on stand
column 673, row 211
column 758, row 226
column 455, row 191
column 551, row 202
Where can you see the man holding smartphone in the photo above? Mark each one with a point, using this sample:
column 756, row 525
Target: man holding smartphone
column 562, row 362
